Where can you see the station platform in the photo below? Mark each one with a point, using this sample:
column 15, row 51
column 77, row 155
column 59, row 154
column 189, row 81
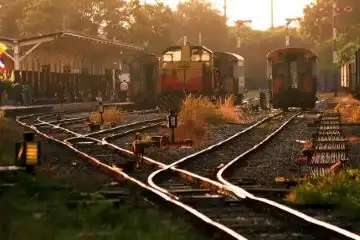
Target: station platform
column 12, row 111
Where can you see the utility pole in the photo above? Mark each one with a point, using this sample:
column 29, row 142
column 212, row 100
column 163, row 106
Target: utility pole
column 239, row 24
column 225, row 10
column 64, row 23
column 335, row 11
column 287, row 35
column 334, row 48
column 272, row 13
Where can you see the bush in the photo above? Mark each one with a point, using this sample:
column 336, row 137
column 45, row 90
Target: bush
column 349, row 108
column 229, row 112
column 197, row 113
column 111, row 116
column 340, row 189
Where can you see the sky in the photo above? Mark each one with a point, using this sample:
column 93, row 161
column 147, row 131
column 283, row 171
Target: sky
column 256, row 10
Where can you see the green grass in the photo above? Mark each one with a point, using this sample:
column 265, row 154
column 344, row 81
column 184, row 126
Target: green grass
column 37, row 209
column 340, row 189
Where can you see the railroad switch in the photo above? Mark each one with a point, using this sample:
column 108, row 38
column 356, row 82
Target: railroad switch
column 161, row 141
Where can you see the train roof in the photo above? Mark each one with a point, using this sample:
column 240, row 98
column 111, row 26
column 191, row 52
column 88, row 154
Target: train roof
column 308, row 51
column 233, row 55
column 179, row 46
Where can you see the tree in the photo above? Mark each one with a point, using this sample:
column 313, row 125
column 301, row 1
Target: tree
column 22, row 18
column 317, row 22
column 139, row 24
column 317, row 26
column 197, row 16
column 10, row 14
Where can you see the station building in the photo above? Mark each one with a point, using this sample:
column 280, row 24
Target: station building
column 78, row 67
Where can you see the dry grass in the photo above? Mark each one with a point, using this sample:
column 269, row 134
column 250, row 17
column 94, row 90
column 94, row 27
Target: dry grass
column 197, row 113
column 111, row 116
column 349, row 108
column 229, row 112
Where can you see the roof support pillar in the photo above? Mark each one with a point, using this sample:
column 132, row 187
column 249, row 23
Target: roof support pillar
column 17, row 58
column 9, row 55
column 33, row 48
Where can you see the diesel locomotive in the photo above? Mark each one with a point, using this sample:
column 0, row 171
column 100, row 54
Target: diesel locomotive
column 197, row 70
column 292, row 75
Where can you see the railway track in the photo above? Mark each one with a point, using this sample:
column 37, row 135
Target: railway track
column 329, row 125
column 216, row 204
column 207, row 164
column 114, row 161
column 249, row 216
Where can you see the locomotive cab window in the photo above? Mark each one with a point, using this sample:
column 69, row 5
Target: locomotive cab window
column 205, row 56
column 198, row 55
column 278, row 70
column 172, row 56
column 195, row 55
column 167, row 57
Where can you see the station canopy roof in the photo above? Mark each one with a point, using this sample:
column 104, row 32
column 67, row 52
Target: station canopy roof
column 70, row 41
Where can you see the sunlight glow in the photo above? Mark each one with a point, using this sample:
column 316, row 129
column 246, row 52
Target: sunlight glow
column 256, row 10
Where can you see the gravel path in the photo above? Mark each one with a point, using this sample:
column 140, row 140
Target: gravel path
column 214, row 134
column 276, row 158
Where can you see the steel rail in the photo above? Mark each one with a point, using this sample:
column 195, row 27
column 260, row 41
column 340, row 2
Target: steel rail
column 241, row 193
column 64, row 120
column 210, row 148
column 120, row 175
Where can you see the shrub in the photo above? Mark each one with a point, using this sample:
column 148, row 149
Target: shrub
column 198, row 113
column 229, row 111
column 340, row 189
column 199, row 110
column 349, row 109
column 111, row 116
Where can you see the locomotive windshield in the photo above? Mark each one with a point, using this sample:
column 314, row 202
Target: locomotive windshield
column 173, row 55
column 199, row 54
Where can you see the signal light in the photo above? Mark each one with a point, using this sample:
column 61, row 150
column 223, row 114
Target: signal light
column 280, row 179
column 27, row 152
